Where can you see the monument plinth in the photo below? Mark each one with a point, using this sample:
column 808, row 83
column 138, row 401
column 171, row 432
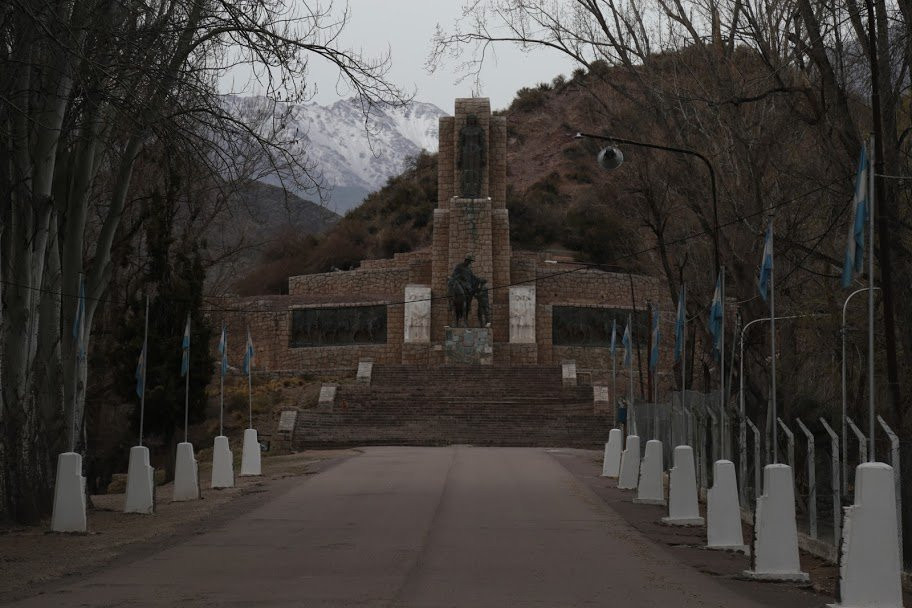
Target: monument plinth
column 469, row 346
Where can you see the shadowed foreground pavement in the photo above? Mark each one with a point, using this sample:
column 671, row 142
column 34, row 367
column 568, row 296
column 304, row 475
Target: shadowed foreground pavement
column 422, row 527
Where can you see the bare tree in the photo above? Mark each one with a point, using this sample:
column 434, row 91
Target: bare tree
column 86, row 86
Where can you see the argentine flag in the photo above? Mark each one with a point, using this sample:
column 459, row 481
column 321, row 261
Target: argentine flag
column 626, row 342
column 248, row 353
column 766, row 266
column 613, row 336
column 715, row 317
column 679, row 326
column 854, row 256
column 656, row 337
column 223, row 349
column 141, row 373
column 185, row 348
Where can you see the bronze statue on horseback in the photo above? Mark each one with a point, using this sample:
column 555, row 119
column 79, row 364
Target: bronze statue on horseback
column 462, row 287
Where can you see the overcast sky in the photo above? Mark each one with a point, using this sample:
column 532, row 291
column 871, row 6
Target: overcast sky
column 406, row 27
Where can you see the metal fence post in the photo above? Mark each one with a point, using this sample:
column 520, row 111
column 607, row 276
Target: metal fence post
column 862, row 442
column 835, row 481
column 897, row 477
column 713, row 434
column 790, row 437
column 812, row 479
column 742, row 461
column 757, row 483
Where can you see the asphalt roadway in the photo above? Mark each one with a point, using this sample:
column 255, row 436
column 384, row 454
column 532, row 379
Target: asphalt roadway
column 420, row 527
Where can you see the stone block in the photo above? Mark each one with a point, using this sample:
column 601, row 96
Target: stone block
column 469, row 346
column 365, row 370
column 69, row 495
column 250, row 456
column 222, row 463
column 186, row 474
column 140, row 496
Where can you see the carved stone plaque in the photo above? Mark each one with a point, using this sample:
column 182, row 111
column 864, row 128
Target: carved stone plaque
column 522, row 314
column 417, row 314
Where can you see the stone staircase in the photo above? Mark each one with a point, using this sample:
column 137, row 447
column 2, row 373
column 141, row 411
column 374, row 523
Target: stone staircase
column 405, row 405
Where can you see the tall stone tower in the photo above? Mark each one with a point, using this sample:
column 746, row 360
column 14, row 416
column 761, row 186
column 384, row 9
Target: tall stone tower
column 471, row 217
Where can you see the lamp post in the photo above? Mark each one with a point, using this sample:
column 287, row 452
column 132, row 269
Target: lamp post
column 842, row 332
column 742, row 431
column 611, row 158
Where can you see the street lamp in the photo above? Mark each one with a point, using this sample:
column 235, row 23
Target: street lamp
column 742, row 430
column 842, row 331
column 611, row 157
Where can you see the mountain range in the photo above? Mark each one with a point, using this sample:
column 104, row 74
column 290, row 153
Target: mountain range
column 354, row 153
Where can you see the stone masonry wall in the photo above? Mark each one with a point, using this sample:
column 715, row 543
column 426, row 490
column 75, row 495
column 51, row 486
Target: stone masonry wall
column 590, row 287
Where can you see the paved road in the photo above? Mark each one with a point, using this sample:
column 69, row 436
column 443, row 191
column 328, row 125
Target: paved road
column 415, row 527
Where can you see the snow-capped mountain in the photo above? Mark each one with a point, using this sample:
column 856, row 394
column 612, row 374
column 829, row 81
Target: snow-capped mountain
column 355, row 156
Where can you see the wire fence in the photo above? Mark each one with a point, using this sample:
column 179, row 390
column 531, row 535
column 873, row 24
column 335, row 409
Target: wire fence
column 813, row 448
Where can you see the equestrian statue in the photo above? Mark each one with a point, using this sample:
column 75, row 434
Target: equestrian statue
column 462, row 287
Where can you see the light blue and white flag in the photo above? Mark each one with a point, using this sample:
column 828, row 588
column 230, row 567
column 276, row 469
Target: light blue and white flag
column 656, row 337
column 627, row 343
column 854, row 255
column 141, row 372
column 766, row 266
column 715, row 317
column 679, row 325
column 248, row 353
column 185, row 349
column 613, row 336
column 223, row 349
column 79, row 320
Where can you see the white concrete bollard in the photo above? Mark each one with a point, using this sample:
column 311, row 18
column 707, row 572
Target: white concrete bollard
column 869, row 571
column 774, row 554
column 611, row 465
column 630, row 464
column 186, row 474
column 140, row 482
column 650, row 490
column 683, row 508
column 222, row 463
column 723, row 513
column 69, row 495
column 250, row 457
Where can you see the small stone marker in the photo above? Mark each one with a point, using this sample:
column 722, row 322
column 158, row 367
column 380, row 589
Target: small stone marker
column 568, row 373
column 327, row 396
column 601, row 398
column 365, row 370
column 287, row 420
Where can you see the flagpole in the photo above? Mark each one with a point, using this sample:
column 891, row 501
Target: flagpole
column 80, row 331
column 630, row 365
column 722, row 361
column 772, row 287
column 249, row 381
column 614, row 385
column 145, row 356
column 871, row 303
column 187, row 389
column 222, row 382
column 684, row 343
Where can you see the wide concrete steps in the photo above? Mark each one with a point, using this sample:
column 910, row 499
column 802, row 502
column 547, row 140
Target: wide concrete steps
column 442, row 406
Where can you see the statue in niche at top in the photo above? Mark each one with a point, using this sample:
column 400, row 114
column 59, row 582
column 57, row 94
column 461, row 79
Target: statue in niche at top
column 471, row 158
